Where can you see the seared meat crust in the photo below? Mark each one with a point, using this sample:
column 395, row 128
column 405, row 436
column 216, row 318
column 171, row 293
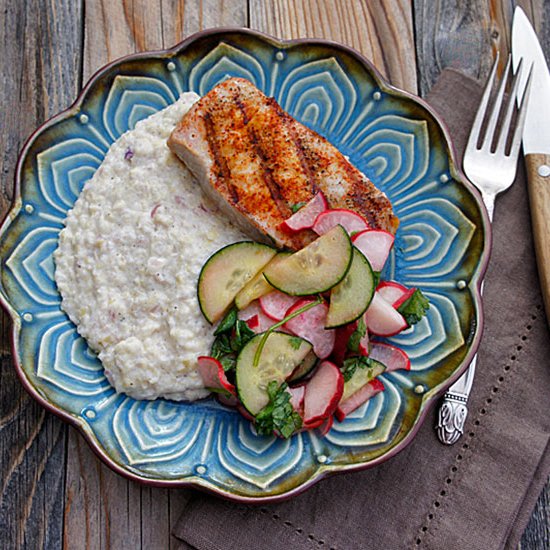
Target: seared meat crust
column 256, row 162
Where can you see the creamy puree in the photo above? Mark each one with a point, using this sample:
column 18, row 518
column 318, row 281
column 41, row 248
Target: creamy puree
column 129, row 258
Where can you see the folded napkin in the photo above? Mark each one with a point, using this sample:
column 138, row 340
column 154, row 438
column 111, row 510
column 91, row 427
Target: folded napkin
column 477, row 494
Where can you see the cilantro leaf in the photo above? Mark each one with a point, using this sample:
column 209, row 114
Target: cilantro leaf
column 232, row 334
column 278, row 415
column 377, row 275
column 351, row 364
column 357, row 334
column 415, row 307
column 297, row 206
column 241, row 335
column 295, row 342
column 227, row 323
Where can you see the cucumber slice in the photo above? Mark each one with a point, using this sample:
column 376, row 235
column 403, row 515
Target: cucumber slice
column 226, row 272
column 282, row 353
column 350, row 298
column 316, row 268
column 305, row 367
column 360, row 377
column 258, row 286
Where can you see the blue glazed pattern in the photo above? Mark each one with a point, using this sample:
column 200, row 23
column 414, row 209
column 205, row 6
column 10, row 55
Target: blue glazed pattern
column 441, row 247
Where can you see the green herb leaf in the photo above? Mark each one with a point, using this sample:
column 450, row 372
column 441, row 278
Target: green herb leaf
column 229, row 362
column 297, row 206
column 227, row 323
column 242, row 334
column 221, row 346
column 278, row 415
column 377, row 275
column 295, row 342
column 357, row 334
column 351, row 364
column 414, row 308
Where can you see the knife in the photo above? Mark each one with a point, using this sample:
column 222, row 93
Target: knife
column 536, row 142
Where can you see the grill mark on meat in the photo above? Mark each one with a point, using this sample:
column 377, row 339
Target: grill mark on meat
column 300, row 150
column 272, row 185
column 221, row 169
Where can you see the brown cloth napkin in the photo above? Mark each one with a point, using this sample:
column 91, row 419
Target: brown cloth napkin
column 477, row 494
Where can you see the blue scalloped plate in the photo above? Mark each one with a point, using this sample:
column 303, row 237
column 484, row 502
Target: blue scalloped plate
column 395, row 138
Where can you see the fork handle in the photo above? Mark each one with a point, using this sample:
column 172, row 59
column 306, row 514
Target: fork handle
column 538, row 181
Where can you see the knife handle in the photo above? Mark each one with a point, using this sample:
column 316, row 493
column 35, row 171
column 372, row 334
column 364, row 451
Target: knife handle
column 538, row 181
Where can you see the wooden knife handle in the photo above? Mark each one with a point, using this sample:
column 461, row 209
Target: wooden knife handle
column 538, row 180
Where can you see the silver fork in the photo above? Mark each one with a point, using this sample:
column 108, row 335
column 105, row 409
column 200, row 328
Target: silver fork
column 492, row 169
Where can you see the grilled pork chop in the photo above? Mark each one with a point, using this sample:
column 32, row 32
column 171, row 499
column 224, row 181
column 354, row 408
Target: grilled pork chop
column 256, row 162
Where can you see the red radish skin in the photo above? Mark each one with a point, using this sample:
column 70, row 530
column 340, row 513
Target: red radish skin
column 276, row 304
column 249, row 311
column 383, row 319
column 390, row 356
column 306, row 216
column 325, row 427
column 342, row 336
column 350, row 221
column 253, row 323
column 297, row 394
column 364, row 344
column 358, row 398
column 404, row 298
column 255, row 318
column 323, row 393
column 310, row 325
column 213, row 375
column 375, row 244
column 392, row 291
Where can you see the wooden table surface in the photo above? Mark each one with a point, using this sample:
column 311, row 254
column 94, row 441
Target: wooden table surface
column 54, row 492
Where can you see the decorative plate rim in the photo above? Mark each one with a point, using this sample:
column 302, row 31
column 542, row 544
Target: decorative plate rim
column 323, row 471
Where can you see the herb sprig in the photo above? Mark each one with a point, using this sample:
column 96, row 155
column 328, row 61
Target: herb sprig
column 278, row 415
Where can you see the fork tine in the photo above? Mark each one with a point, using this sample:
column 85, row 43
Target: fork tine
column 495, row 111
column 518, row 132
column 480, row 115
column 505, row 128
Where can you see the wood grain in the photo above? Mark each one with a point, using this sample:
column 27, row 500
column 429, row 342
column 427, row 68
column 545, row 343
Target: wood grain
column 366, row 26
column 40, row 76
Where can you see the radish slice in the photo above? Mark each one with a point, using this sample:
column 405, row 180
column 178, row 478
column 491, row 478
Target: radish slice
column 310, row 326
column 255, row 318
column 325, row 427
column 249, row 311
column 392, row 291
column 276, row 304
column 306, row 216
column 227, row 400
column 358, row 398
column 390, row 356
column 382, row 319
column 364, row 344
column 297, row 398
column 375, row 244
column 213, row 375
column 404, row 298
column 350, row 221
column 342, row 336
column 323, row 392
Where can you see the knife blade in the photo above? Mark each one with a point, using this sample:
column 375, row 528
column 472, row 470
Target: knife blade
column 536, row 142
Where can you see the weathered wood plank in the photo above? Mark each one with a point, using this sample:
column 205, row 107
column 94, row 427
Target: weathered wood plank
column 104, row 510
column 40, row 67
column 365, row 26
column 537, row 533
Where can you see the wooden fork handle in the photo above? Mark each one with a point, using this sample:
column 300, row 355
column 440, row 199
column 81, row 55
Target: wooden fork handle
column 538, row 181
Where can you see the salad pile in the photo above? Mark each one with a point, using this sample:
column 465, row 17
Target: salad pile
column 294, row 343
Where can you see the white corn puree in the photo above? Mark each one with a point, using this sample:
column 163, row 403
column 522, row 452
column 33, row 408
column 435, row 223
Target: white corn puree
column 128, row 262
